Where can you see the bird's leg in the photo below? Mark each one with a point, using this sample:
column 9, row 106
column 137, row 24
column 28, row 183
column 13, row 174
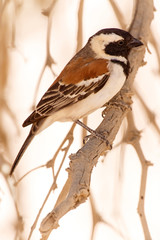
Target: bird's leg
column 93, row 133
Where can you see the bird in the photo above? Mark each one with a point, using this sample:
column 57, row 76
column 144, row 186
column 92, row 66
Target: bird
column 89, row 80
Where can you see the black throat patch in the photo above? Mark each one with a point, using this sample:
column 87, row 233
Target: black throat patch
column 126, row 67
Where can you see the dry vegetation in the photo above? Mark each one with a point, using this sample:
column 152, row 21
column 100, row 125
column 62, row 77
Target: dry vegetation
column 77, row 187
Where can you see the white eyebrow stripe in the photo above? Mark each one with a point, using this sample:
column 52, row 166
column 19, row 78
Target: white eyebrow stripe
column 99, row 42
column 103, row 38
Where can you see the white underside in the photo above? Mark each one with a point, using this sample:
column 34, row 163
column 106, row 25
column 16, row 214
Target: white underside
column 94, row 101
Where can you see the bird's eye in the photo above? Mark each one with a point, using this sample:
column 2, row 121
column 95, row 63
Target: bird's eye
column 120, row 42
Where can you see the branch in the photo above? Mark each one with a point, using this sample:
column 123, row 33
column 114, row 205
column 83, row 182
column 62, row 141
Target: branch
column 118, row 13
column 80, row 28
column 81, row 166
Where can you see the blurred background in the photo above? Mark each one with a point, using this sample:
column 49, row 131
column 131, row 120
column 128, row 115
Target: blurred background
column 27, row 39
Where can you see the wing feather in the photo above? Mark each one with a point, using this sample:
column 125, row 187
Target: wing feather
column 62, row 94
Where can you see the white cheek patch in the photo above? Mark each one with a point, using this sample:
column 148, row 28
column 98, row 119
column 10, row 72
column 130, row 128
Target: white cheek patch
column 99, row 42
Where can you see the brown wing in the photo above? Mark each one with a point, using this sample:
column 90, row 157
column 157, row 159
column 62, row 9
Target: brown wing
column 62, row 93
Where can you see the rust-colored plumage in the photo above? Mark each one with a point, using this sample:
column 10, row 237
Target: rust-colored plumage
column 82, row 69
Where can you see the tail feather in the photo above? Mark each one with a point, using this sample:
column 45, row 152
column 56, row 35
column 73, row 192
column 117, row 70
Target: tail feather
column 22, row 150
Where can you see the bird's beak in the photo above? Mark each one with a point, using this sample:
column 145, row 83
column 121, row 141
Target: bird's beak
column 134, row 43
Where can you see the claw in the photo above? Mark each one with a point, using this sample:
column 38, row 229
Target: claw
column 93, row 133
column 86, row 138
column 99, row 136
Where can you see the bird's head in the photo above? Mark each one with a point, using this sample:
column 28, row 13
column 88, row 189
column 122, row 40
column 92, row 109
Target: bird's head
column 113, row 43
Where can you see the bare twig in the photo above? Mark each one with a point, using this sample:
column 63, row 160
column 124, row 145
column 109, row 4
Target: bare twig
column 133, row 137
column 80, row 24
column 69, row 138
column 118, row 14
column 156, row 47
column 26, row 174
column 144, row 9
